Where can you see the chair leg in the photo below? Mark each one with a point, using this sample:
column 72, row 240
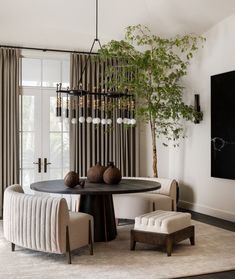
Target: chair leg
column 154, row 208
column 172, row 205
column 68, row 252
column 90, row 239
column 133, row 243
column 12, row 247
column 169, row 245
column 192, row 238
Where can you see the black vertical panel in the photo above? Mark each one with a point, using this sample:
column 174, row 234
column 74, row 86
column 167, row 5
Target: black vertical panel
column 80, row 146
column 84, row 149
column 90, row 135
column 95, row 151
column 99, row 77
column 223, row 125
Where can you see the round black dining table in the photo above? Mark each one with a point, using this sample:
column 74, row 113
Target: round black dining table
column 96, row 199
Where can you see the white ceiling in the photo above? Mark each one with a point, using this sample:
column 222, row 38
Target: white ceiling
column 70, row 24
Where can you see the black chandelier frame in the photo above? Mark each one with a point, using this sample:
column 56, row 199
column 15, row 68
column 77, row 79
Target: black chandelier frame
column 81, row 92
column 99, row 93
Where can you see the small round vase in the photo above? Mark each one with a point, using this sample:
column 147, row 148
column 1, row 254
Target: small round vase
column 71, row 179
column 95, row 173
column 112, row 175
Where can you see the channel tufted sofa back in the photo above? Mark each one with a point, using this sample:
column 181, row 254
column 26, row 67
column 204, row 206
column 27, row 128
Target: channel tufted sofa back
column 35, row 222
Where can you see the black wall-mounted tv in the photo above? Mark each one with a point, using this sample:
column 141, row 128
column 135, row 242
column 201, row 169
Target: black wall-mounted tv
column 223, row 125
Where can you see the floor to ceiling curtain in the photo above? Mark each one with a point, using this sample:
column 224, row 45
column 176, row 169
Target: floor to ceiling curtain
column 91, row 143
column 9, row 119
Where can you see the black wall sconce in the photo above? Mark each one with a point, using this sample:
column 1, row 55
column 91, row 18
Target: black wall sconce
column 197, row 106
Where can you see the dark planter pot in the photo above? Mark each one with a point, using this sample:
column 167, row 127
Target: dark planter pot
column 112, row 175
column 71, row 179
column 95, row 173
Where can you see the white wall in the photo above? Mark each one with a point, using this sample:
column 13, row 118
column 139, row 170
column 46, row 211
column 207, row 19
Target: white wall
column 190, row 163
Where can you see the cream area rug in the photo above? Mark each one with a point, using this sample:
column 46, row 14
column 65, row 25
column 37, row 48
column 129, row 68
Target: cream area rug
column 214, row 251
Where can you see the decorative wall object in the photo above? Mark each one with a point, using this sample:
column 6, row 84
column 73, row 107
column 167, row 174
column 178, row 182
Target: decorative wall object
column 197, row 107
column 223, row 125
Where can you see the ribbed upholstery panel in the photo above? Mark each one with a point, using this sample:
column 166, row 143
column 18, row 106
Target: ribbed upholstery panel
column 35, row 222
column 72, row 201
column 163, row 221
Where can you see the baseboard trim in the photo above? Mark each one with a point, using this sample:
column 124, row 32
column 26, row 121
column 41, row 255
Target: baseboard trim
column 222, row 214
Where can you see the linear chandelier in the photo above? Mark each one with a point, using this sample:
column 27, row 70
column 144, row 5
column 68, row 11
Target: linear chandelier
column 97, row 99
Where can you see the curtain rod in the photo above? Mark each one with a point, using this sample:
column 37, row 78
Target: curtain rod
column 48, row 49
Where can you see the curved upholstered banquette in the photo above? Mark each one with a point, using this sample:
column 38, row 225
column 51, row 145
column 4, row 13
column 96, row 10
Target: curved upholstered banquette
column 44, row 223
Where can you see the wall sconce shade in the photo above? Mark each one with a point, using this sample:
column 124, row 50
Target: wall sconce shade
column 197, row 106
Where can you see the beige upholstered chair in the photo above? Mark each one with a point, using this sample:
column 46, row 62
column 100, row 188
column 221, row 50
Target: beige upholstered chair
column 44, row 223
column 129, row 206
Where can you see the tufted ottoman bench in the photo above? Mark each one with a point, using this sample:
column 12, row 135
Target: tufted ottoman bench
column 162, row 228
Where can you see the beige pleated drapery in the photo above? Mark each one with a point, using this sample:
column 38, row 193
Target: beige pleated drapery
column 91, row 143
column 9, row 119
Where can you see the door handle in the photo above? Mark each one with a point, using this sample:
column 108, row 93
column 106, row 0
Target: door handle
column 39, row 163
column 45, row 164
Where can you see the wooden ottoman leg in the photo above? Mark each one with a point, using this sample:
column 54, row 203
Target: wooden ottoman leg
column 192, row 237
column 133, row 242
column 169, row 244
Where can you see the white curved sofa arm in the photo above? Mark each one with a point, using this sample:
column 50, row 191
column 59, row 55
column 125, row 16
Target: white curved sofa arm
column 35, row 222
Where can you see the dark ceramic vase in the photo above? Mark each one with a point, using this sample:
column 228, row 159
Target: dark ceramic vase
column 95, row 173
column 112, row 175
column 71, row 179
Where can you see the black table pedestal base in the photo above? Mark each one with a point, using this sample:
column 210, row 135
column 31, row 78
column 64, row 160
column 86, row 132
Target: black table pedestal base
column 101, row 208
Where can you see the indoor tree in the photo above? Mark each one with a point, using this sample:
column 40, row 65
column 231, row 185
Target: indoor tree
column 151, row 68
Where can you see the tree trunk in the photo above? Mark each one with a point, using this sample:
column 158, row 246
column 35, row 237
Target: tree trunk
column 154, row 147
